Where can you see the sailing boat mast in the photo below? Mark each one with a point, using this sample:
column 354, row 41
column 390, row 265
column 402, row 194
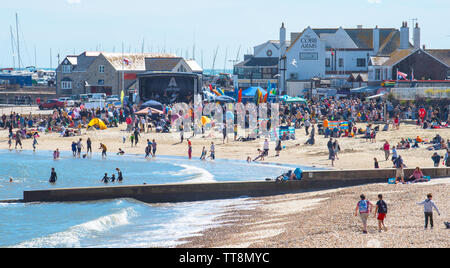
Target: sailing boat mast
column 214, row 60
column 12, row 47
column 225, row 61
column 18, row 44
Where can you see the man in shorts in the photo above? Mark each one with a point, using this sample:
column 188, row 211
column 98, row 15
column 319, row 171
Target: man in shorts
column 381, row 210
column 399, row 165
column 365, row 208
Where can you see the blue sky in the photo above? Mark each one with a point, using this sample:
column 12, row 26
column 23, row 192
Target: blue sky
column 73, row 26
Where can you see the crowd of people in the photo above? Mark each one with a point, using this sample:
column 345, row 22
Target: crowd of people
column 70, row 121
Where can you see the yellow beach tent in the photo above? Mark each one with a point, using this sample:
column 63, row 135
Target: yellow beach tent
column 97, row 123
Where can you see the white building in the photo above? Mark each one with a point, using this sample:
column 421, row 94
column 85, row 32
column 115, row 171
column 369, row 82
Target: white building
column 336, row 53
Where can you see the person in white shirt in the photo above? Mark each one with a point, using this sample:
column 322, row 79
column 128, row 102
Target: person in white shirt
column 266, row 147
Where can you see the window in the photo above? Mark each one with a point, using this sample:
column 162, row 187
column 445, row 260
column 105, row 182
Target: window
column 66, row 84
column 360, row 62
column 101, row 69
column 341, row 62
column 101, row 82
column 66, row 69
column 327, row 62
column 377, row 75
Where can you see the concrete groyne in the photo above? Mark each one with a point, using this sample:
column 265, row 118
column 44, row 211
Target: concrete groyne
column 170, row 193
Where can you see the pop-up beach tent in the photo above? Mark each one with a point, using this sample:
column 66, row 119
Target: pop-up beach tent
column 250, row 93
column 98, row 123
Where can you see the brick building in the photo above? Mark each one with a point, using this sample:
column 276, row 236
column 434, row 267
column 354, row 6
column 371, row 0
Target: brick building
column 101, row 72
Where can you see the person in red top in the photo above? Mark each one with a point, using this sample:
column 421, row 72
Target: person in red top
column 189, row 149
column 387, row 150
column 397, row 123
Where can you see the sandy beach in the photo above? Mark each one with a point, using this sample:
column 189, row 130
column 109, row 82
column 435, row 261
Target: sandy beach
column 311, row 219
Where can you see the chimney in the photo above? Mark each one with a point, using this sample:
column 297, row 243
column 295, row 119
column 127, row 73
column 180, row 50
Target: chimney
column 404, row 36
column 376, row 40
column 282, row 40
column 416, row 37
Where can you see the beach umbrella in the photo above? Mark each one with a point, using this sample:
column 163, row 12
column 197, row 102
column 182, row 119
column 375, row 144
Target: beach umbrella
column 153, row 104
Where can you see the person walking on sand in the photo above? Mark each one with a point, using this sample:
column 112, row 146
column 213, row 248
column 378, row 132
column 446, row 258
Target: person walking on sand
column 79, row 147
column 132, row 139
column 428, row 206
column 278, row 147
column 189, row 149
column 331, row 152
column 136, row 136
column 89, row 146
column 35, row 142
column 381, row 210
column 18, row 140
column 399, row 165
column 387, row 150
column 364, row 207
column 266, row 147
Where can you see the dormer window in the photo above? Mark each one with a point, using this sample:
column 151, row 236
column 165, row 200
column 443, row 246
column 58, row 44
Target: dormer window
column 67, row 69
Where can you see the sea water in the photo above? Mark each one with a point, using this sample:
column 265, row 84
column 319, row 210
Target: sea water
column 112, row 223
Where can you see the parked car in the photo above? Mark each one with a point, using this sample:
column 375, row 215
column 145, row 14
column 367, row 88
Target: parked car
column 52, row 104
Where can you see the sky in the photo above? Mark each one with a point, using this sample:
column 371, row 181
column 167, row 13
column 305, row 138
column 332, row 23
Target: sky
column 230, row 27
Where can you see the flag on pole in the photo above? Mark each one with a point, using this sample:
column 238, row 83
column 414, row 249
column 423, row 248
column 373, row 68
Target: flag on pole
column 127, row 61
column 240, row 96
column 401, row 76
column 122, row 96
